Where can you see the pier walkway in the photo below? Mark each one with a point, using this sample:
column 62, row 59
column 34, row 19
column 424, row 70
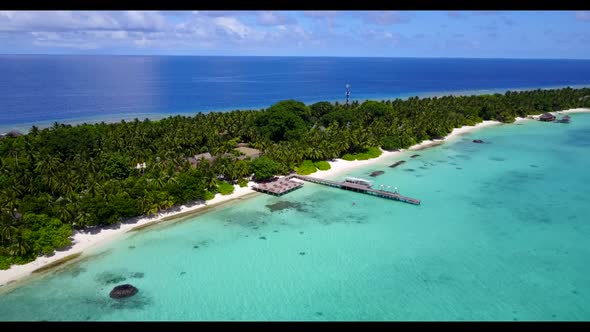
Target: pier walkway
column 284, row 185
column 358, row 188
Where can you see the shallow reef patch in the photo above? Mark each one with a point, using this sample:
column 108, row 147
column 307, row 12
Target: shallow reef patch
column 284, row 205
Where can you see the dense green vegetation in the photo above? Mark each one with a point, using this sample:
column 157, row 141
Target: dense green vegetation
column 242, row 182
column 322, row 165
column 73, row 177
column 264, row 168
column 366, row 154
column 225, row 188
column 307, row 167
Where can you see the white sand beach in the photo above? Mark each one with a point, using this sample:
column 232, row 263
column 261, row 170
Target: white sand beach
column 83, row 241
column 574, row 110
column 569, row 111
column 340, row 166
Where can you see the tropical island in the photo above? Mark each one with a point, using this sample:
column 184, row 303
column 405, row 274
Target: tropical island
column 64, row 178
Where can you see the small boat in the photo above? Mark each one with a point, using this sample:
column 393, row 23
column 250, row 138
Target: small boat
column 362, row 182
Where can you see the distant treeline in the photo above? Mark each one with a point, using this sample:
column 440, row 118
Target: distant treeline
column 65, row 177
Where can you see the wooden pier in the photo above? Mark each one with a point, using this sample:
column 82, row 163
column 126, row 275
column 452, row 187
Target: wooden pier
column 278, row 187
column 358, row 188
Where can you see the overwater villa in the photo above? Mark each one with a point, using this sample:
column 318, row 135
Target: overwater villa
column 547, row 117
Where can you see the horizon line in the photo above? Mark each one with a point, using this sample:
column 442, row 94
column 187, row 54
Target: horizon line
column 290, row 56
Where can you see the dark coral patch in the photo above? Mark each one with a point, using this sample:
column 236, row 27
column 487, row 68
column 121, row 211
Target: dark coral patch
column 123, row 291
column 397, row 163
column 284, row 205
column 376, row 173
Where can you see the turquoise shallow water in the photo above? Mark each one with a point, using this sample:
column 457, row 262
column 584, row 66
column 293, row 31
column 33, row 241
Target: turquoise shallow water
column 502, row 234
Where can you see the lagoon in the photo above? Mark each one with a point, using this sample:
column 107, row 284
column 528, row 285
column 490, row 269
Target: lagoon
column 501, row 234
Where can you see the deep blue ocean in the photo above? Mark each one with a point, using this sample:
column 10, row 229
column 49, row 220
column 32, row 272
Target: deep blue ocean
column 40, row 89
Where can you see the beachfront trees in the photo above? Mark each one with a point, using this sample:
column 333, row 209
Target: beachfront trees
column 264, row 168
column 281, row 123
column 43, row 234
column 318, row 110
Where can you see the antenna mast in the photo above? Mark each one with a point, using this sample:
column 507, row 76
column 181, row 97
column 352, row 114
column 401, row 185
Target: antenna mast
column 347, row 93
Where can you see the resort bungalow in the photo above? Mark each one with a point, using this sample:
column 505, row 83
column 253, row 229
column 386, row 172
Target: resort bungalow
column 245, row 151
column 547, row 117
column 248, row 152
column 12, row 133
column 195, row 160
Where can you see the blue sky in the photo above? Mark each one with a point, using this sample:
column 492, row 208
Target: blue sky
column 492, row 34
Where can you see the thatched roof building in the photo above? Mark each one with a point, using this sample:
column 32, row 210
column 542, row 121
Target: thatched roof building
column 249, row 152
column 13, row 133
column 547, row 117
column 246, row 153
column 195, row 160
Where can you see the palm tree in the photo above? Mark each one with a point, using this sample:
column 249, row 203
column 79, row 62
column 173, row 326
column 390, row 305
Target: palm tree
column 19, row 247
column 7, row 231
column 62, row 211
column 82, row 219
column 153, row 209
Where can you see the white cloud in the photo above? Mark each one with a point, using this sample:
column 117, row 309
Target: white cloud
column 381, row 36
column 146, row 21
column 43, row 35
column 81, row 20
column 232, row 26
column 158, row 31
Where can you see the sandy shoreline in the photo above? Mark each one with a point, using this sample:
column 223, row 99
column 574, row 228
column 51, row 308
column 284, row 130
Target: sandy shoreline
column 340, row 166
column 570, row 111
column 83, row 241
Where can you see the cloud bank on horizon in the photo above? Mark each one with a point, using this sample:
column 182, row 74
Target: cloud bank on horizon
column 506, row 34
